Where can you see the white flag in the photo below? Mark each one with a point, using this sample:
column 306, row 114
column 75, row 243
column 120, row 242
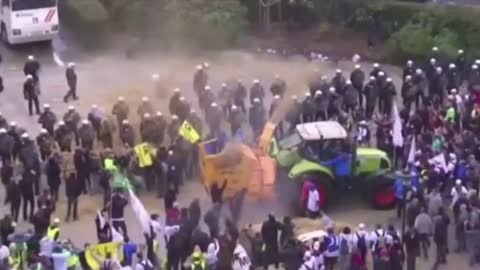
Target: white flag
column 411, row 154
column 397, row 127
column 58, row 60
column 116, row 235
column 142, row 215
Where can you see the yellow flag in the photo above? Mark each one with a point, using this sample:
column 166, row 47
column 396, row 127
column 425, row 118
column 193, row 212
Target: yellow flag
column 100, row 251
column 188, row 132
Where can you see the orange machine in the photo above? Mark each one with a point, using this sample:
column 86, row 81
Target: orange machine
column 239, row 164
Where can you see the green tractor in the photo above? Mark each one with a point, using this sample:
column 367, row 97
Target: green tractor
column 320, row 153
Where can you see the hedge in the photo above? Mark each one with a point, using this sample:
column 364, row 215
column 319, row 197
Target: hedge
column 87, row 18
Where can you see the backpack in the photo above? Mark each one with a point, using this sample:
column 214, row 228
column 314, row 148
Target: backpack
column 344, row 250
column 361, row 243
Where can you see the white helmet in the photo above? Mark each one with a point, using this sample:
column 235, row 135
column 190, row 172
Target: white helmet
column 213, row 105
column 174, row 117
column 433, row 61
column 307, row 94
column 71, row 108
column 120, row 98
column 208, row 88
column 159, row 114
column 474, row 67
column 276, row 97
column 144, row 99
column 451, row 66
column 439, row 69
column 234, row 107
column 125, row 122
column 85, row 121
column 434, row 49
column 206, row 65
column 46, row 106
column 94, row 106
column 61, row 123
column 255, row 81
column 155, row 77
column 376, row 65
column 182, row 98
column 25, row 135
column 408, row 78
column 224, row 85
column 372, row 78
column 460, row 51
column 357, row 66
column 418, row 71
column 176, row 90
column 389, row 79
column 338, row 71
column 29, row 77
column 146, row 115
column 453, row 91
column 31, row 57
column 409, row 63
column 2, row 130
column 13, row 124
column 318, row 93
column 71, row 65
column 348, row 82
column 256, row 100
column 199, row 67
column 332, row 89
column 43, row 131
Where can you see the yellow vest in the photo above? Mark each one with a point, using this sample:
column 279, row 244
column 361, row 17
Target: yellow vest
column 52, row 232
column 72, row 260
column 144, row 155
column 109, row 165
column 188, row 133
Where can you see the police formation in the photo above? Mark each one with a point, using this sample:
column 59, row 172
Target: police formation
column 83, row 151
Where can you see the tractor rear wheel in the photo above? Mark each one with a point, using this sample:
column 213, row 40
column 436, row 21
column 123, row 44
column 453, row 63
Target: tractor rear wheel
column 382, row 192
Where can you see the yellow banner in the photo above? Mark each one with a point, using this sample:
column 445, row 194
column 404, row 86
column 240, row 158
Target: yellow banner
column 95, row 252
column 188, row 132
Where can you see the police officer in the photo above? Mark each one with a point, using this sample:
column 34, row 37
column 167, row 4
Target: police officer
column 28, row 155
column 278, row 86
column 45, row 144
column 32, row 67
column 461, row 64
column 13, row 196
column 420, row 82
column 6, row 145
column 257, row 91
column 95, row 117
column 338, row 82
column 196, row 122
column 200, row 79
column 409, row 92
column 321, row 101
column 206, row 98
column 86, row 133
column 47, row 119
column 408, row 70
column 183, row 109
column 239, row 95
column 31, row 94
column 307, row 108
column 257, row 117
column 71, row 76
column 117, row 206
column 390, row 93
column 473, row 78
column 336, row 102
column 15, row 132
column 145, row 107
column 437, row 86
column 174, row 101
column 120, row 110
column 430, row 69
column 172, row 128
column 126, row 133
column 452, row 78
column 376, row 70
column 146, row 125
column 357, row 77
column 72, row 120
column 236, row 119
column 273, row 108
column 294, row 113
column 350, row 97
column 64, row 136
column 107, row 129
column 160, row 124
column 371, row 95
column 214, row 118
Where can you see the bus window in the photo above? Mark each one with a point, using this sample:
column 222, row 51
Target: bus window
column 5, row 3
column 18, row 5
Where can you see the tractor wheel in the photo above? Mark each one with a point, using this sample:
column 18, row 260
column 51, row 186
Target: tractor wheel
column 324, row 186
column 382, row 192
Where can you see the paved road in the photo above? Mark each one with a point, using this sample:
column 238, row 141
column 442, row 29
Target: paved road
column 103, row 77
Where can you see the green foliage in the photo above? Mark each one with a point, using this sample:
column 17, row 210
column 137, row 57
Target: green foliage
column 208, row 23
column 91, row 26
column 448, row 29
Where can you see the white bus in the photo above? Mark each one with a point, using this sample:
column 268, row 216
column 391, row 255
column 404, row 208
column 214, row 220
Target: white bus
column 25, row 21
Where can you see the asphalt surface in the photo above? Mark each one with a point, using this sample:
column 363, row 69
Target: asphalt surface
column 104, row 76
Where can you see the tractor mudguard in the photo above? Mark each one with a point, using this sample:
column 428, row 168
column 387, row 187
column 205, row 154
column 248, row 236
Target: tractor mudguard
column 369, row 161
column 307, row 167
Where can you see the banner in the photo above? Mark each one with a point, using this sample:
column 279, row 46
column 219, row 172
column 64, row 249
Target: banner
column 188, row 133
column 100, row 251
column 140, row 213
